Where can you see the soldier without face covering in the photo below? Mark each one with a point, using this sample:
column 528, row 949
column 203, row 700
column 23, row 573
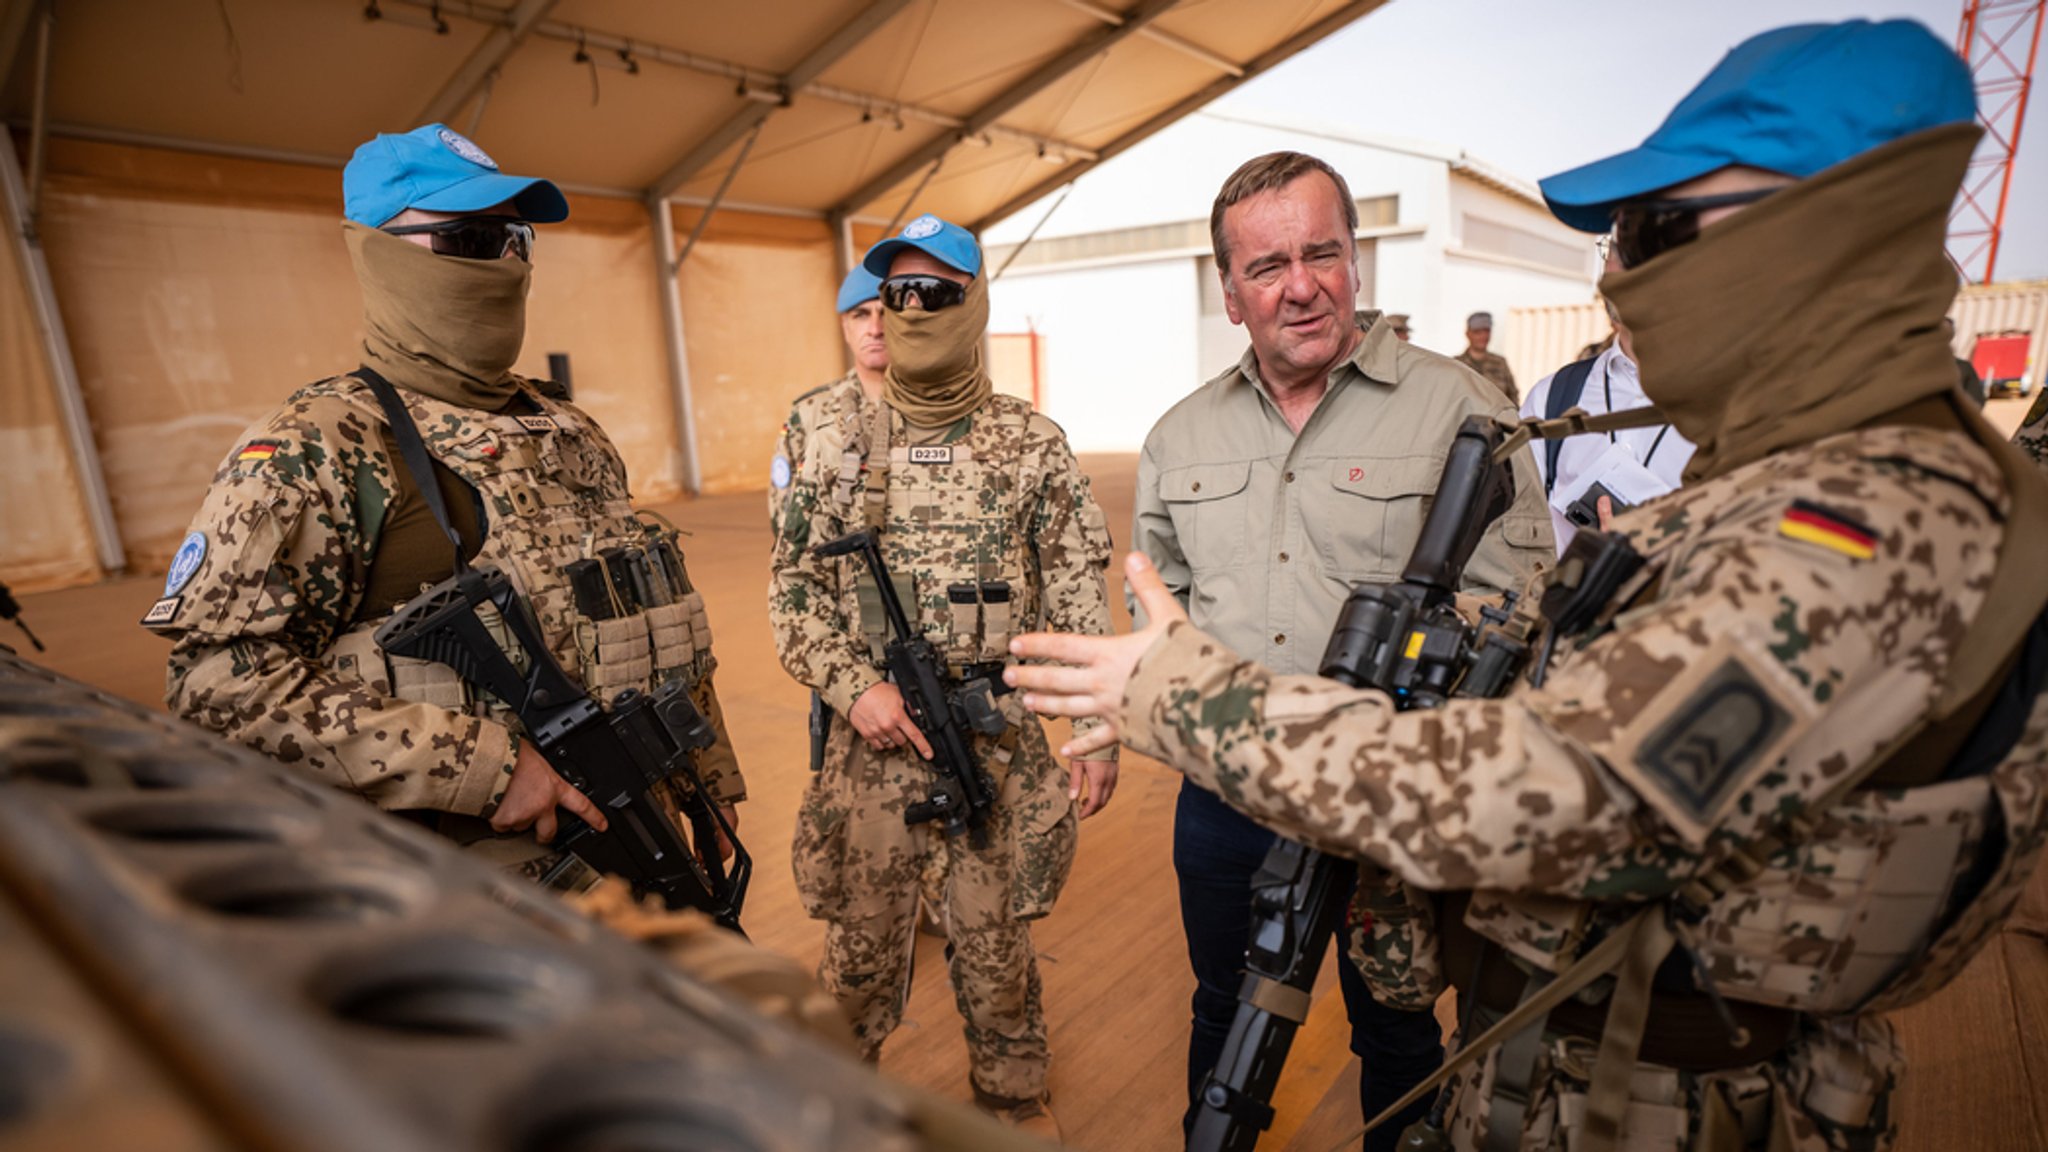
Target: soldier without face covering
column 988, row 528
column 1793, row 772
column 315, row 531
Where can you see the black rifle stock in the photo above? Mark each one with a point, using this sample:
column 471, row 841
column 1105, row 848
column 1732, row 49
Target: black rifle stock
column 961, row 794
column 1405, row 639
column 618, row 758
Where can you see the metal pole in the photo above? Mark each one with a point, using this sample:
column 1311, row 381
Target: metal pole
column 914, row 194
column 57, row 347
column 1031, row 235
column 711, row 209
column 39, row 123
column 678, row 348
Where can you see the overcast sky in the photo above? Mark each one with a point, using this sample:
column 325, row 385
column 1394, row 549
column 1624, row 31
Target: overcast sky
column 1538, row 86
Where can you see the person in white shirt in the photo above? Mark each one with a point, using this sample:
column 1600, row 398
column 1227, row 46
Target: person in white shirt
column 1634, row 465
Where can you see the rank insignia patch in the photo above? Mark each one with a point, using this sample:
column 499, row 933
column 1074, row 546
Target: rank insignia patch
column 258, row 450
column 1813, row 524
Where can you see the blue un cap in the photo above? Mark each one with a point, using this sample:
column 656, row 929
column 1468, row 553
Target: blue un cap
column 438, row 169
column 859, row 287
column 1795, row 100
column 948, row 243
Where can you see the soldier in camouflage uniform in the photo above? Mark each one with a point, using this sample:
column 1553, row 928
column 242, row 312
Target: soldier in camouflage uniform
column 314, row 531
column 1795, row 771
column 988, row 528
column 1493, row 366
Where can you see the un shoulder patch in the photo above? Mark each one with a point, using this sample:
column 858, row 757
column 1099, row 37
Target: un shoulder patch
column 1707, row 738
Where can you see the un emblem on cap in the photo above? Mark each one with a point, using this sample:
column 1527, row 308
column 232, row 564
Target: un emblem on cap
column 462, row 146
column 923, row 226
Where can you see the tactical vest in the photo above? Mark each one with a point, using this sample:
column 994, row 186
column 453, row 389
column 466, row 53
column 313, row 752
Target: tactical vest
column 952, row 528
column 555, row 508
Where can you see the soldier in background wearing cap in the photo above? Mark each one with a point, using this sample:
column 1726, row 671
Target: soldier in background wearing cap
column 1792, row 773
column 315, row 530
column 989, row 529
column 1479, row 334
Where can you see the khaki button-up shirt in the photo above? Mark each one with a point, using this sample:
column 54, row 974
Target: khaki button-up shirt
column 1262, row 532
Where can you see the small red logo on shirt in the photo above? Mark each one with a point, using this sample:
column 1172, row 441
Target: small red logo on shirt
column 1357, row 474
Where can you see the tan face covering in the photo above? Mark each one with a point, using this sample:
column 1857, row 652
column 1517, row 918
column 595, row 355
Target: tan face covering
column 935, row 372
column 1812, row 312
column 441, row 325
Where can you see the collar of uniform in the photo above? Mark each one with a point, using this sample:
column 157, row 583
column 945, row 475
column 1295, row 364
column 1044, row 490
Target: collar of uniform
column 1616, row 361
column 1372, row 359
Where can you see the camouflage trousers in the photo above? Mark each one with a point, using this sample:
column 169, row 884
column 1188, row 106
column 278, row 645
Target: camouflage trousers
column 860, row 869
column 1831, row 1090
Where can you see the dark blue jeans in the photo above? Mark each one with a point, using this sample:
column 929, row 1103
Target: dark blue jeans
column 1215, row 852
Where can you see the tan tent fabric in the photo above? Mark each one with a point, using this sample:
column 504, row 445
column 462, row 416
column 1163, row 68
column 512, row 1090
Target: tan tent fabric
column 761, row 328
column 45, row 534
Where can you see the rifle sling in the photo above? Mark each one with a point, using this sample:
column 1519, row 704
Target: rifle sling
column 412, row 452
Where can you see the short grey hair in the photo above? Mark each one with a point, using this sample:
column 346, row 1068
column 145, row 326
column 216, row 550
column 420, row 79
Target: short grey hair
column 1268, row 173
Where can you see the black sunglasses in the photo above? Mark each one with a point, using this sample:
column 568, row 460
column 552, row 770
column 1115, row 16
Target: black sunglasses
column 476, row 237
column 1648, row 228
column 929, row 293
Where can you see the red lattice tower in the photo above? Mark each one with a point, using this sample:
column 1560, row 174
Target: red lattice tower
column 1999, row 39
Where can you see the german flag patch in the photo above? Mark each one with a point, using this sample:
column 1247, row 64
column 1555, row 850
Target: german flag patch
column 256, row 451
column 1813, row 524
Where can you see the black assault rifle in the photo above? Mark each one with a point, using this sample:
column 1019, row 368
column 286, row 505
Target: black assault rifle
column 618, row 758
column 961, row 792
column 1407, row 640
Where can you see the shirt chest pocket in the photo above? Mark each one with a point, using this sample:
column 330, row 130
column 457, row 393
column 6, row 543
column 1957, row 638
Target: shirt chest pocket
column 1210, row 505
column 1372, row 514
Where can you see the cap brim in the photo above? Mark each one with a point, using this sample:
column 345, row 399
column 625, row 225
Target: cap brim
column 535, row 199
column 879, row 257
column 1584, row 197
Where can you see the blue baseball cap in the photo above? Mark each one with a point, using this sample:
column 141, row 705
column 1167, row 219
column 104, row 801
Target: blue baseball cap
column 1794, row 100
column 942, row 240
column 859, row 287
column 438, row 169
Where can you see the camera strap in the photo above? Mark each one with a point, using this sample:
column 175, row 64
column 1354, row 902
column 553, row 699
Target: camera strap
column 1576, row 422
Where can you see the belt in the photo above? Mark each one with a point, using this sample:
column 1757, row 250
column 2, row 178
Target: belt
column 1684, row 1031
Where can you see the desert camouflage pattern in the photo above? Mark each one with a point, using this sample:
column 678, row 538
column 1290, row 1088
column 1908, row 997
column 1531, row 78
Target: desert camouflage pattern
column 1563, row 808
column 2032, row 436
column 1495, row 368
column 789, row 448
column 1011, row 504
column 273, row 645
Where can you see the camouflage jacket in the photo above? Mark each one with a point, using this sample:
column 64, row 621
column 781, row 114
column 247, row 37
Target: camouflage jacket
column 789, row 446
column 1819, row 593
column 2032, row 436
column 1001, row 498
column 1494, row 368
column 272, row 644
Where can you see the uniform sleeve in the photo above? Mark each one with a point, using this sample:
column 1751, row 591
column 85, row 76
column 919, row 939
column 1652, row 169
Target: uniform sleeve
column 718, row 766
column 278, row 584
column 1697, row 724
column 818, row 645
column 789, row 451
column 1153, row 534
column 2032, row 436
column 1071, row 542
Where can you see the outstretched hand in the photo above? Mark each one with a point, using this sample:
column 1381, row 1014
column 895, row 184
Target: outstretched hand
column 1089, row 673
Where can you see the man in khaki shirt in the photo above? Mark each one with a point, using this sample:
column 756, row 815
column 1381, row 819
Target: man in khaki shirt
column 1270, row 491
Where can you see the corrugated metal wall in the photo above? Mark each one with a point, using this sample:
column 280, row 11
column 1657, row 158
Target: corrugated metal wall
column 1546, row 339
column 2019, row 306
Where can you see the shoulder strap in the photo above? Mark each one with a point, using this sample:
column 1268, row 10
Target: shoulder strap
column 412, row 451
column 1565, row 389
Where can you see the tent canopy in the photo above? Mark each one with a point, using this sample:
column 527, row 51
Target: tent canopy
column 835, row 109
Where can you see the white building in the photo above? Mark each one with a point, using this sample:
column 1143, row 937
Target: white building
column 1121, row 291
